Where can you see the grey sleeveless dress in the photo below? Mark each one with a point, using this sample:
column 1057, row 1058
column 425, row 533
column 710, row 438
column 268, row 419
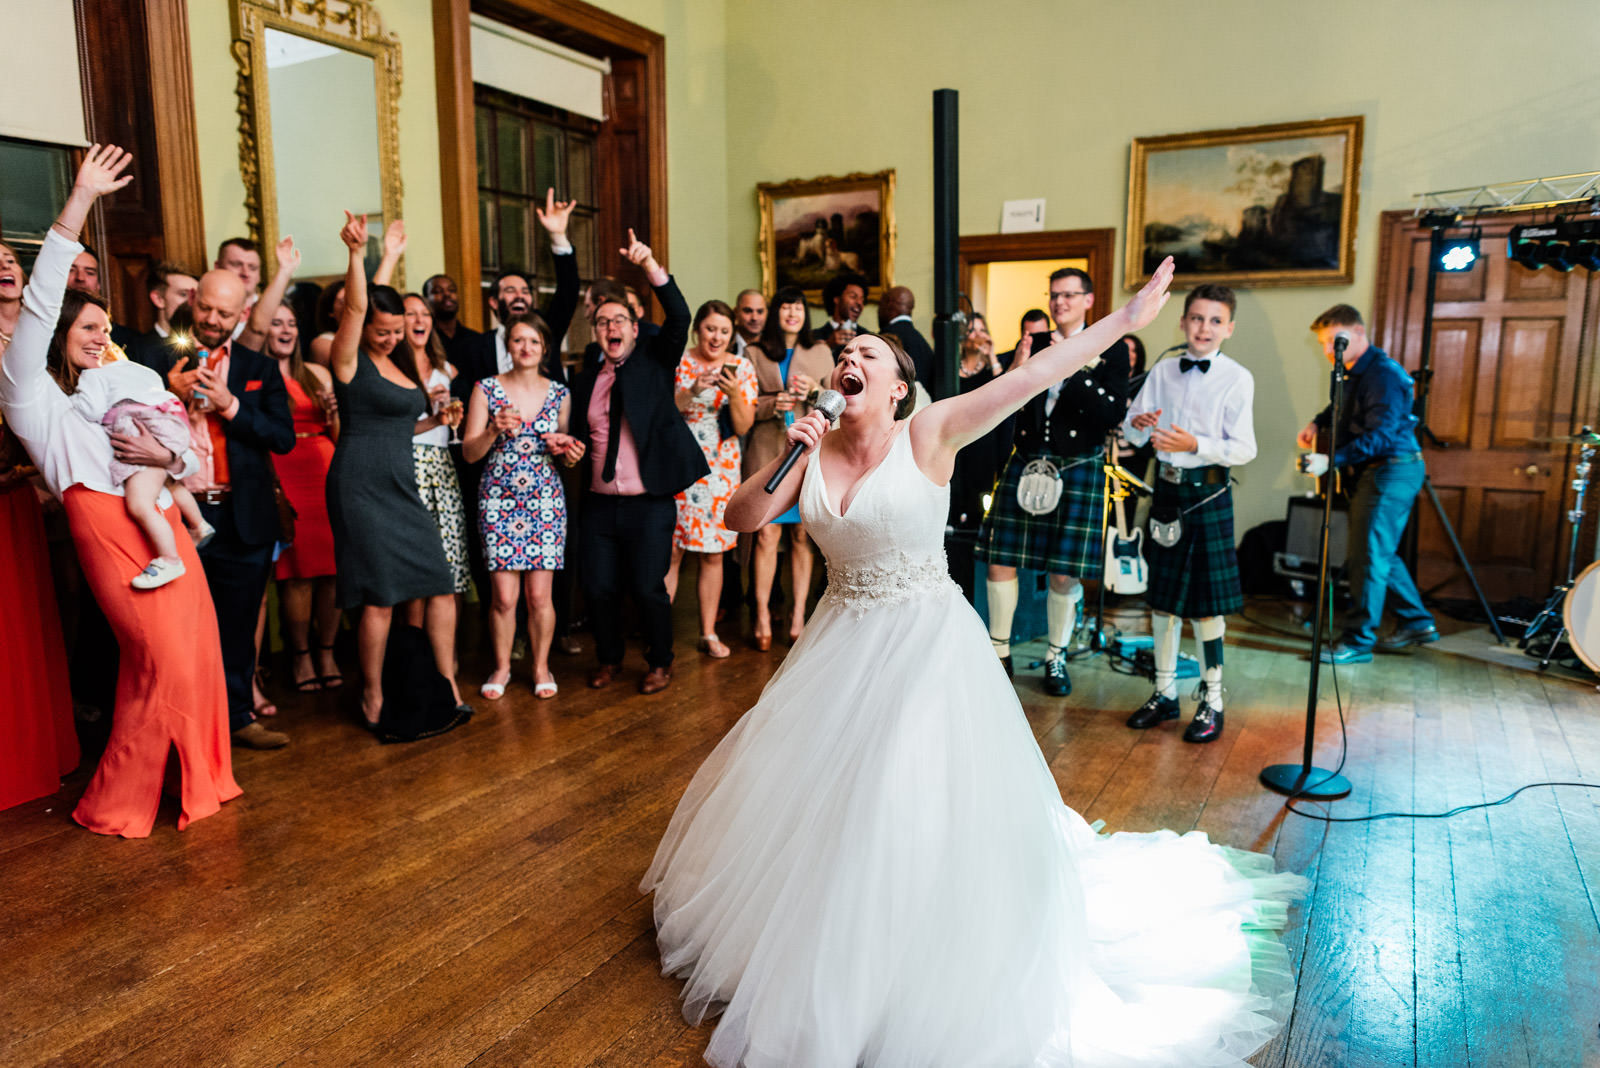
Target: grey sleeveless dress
column 386, row 545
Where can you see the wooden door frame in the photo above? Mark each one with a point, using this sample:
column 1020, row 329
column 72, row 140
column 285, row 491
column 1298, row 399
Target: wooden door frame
column 572, row 23
column 1096, row 246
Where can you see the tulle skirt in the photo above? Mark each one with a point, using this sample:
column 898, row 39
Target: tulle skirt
column 875, row 867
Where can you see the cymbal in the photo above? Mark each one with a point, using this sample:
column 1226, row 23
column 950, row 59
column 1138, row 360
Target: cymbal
column 1588, row 438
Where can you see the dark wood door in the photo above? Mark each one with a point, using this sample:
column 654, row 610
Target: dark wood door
column 1512, row 361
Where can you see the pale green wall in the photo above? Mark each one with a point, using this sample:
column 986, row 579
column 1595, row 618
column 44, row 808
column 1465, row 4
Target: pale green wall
column 1052, row 93
column 215, row 76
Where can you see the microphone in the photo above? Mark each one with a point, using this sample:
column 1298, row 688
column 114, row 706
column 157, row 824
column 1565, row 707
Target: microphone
column 1341, row 341
column 831, row 404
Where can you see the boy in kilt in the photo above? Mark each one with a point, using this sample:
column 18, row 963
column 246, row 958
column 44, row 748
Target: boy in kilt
column 1049, row 501
column 1196, row 411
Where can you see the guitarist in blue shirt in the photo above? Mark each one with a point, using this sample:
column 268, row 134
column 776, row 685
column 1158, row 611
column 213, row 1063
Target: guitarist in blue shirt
column 1197, row 412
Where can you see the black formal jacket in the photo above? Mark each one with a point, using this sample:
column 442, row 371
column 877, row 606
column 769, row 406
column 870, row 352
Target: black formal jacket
column 464, row 340
column 479, row 359
column 916, row 347
column 149, row 350
column 1092, row 404
column 670, row 459
column 261, row 426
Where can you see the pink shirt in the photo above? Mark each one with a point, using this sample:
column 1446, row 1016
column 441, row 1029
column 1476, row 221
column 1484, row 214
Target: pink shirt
column 628, row 482
column 205, row 430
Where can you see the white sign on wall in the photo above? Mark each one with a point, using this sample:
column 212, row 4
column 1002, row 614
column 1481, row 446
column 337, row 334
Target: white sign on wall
column 1022, row 216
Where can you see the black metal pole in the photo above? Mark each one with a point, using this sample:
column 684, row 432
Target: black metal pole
column 1305, row 779
column 947, row 331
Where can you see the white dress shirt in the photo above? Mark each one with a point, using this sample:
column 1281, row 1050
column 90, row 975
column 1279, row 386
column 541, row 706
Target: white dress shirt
column 68, row 449
column 1214, row 406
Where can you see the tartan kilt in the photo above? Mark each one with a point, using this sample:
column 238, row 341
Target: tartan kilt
column 1068, row 541
column 1198, row 577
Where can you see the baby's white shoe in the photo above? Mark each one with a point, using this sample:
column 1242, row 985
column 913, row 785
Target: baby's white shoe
column 158, row 572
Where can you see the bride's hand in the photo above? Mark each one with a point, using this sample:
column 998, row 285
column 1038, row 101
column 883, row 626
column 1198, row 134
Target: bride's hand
column 808, row 431
column 1148, row 302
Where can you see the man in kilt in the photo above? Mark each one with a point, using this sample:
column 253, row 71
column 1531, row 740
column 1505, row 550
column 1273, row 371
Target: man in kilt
column 1196, row 411
column 1049, row 502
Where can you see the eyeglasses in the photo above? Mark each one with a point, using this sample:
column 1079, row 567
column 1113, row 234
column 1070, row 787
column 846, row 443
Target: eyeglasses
column 1069, row 295
column 615, row 320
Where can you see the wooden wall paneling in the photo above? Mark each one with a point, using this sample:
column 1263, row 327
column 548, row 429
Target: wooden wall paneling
column 125, row 230
column 176, row 140
column 458, row 153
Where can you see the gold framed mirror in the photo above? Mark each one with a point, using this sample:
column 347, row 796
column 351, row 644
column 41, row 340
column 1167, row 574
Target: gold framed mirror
column 319, row 93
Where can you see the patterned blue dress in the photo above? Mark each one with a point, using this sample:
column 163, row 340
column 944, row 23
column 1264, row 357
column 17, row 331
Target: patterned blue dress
column 522, row 508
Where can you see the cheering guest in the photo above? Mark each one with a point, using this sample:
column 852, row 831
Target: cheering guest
column 710, row 380
column 641, row 455
column 170, row 689
column 979, row 464
column 386, row 545
column 522, row 507
column 444, row 300
column 305, row 569
column 430, row 445
column 750, row 320
column 169, row 287
column 790, row 364
column 85, row 275
column 12, row 279
column 843, row 298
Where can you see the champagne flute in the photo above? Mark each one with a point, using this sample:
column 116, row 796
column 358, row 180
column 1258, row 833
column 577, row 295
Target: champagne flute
column 454, row 407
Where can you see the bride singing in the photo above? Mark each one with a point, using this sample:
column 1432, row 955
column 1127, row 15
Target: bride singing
column 875, row 866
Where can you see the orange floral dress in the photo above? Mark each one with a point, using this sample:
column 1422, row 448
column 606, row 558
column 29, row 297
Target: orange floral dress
column 701, row 506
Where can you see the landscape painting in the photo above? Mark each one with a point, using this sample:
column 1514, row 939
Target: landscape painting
column 815, row 228
column 1264, row 205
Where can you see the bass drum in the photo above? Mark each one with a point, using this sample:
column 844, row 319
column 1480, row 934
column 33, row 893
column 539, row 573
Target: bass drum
column 1581, row 612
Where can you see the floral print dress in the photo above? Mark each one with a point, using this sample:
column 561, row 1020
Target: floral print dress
column 522, row 508
column 700, row 507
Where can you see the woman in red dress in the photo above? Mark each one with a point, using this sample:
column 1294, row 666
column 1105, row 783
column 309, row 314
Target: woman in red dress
column 305, row 573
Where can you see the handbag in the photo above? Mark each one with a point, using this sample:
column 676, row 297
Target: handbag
column 286, row 513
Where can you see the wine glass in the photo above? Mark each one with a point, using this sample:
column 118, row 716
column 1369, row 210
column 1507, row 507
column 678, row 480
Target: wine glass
column 454, row 407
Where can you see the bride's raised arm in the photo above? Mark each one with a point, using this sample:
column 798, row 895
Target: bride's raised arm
column 955, row 421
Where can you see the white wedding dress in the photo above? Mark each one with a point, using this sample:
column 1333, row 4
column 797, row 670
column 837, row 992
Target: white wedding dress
column 875, row 868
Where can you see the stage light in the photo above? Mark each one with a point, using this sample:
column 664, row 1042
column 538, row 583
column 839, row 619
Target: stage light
column 1557, row 254
column 1586, row 254
column 1525, row 244
column 1459, row 254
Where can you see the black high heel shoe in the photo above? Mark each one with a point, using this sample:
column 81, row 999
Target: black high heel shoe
column 329, row 682
column 311, row 683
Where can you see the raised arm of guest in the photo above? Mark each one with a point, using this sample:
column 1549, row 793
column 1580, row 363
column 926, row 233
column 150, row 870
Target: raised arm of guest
column 674, row 337
column 394, row 246
column 254, row 335
column 343, row 353
column 554, row 217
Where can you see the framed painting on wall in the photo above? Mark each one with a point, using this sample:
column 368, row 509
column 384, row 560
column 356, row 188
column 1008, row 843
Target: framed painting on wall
column 1257, row 206
column 815, row 228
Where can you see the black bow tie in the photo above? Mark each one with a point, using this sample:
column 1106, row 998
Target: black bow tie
column 1184, row 363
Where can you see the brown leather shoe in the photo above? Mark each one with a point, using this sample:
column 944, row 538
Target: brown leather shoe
column 255, row 736
column 602, row 676
column 656, row 680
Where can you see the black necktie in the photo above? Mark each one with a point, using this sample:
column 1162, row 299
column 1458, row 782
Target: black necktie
column 608, row 471
column 1184, row 363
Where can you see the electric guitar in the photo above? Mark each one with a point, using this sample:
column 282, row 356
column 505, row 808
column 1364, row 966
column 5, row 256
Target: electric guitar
column 1126, row 570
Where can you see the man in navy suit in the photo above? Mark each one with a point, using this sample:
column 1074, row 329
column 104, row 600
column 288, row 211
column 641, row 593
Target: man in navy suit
column 238, row 414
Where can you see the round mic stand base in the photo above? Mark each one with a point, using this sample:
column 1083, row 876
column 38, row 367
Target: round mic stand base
column 1301, row 780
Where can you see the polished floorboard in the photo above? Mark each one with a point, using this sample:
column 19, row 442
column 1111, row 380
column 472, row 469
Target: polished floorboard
column 473, row 899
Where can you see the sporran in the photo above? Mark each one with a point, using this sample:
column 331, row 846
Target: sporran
column 1039, row 488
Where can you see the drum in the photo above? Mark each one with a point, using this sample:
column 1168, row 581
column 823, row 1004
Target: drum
column 1581, row 613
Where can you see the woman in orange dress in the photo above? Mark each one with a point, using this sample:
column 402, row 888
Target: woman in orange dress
column 710, row 381
column 170, row 688
column 306, row 585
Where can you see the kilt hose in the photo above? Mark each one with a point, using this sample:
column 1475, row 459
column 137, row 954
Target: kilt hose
column 1067, row 541
column 1198, row 577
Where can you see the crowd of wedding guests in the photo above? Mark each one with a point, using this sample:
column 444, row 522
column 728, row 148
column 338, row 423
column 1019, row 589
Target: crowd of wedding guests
column 389, row 471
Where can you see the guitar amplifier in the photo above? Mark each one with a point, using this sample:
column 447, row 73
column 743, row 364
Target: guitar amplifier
column 1302, row 542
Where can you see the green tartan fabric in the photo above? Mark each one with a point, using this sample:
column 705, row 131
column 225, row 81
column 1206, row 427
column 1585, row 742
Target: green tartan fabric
column 1068, row 541
column 1199, row 576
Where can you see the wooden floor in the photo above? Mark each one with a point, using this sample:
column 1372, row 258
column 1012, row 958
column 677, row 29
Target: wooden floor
column 473, row 899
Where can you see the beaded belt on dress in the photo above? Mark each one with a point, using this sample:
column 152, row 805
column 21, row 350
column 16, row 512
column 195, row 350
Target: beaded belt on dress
column 887, row 580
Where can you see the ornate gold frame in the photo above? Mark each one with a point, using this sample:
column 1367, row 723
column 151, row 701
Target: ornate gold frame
column 883, row 181
column 352, row 25
column 1350, row 169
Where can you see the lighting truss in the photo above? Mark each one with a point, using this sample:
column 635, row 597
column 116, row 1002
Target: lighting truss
column 1528, row 195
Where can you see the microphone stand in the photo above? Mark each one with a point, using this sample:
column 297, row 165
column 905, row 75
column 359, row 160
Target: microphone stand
column 1304, row 779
